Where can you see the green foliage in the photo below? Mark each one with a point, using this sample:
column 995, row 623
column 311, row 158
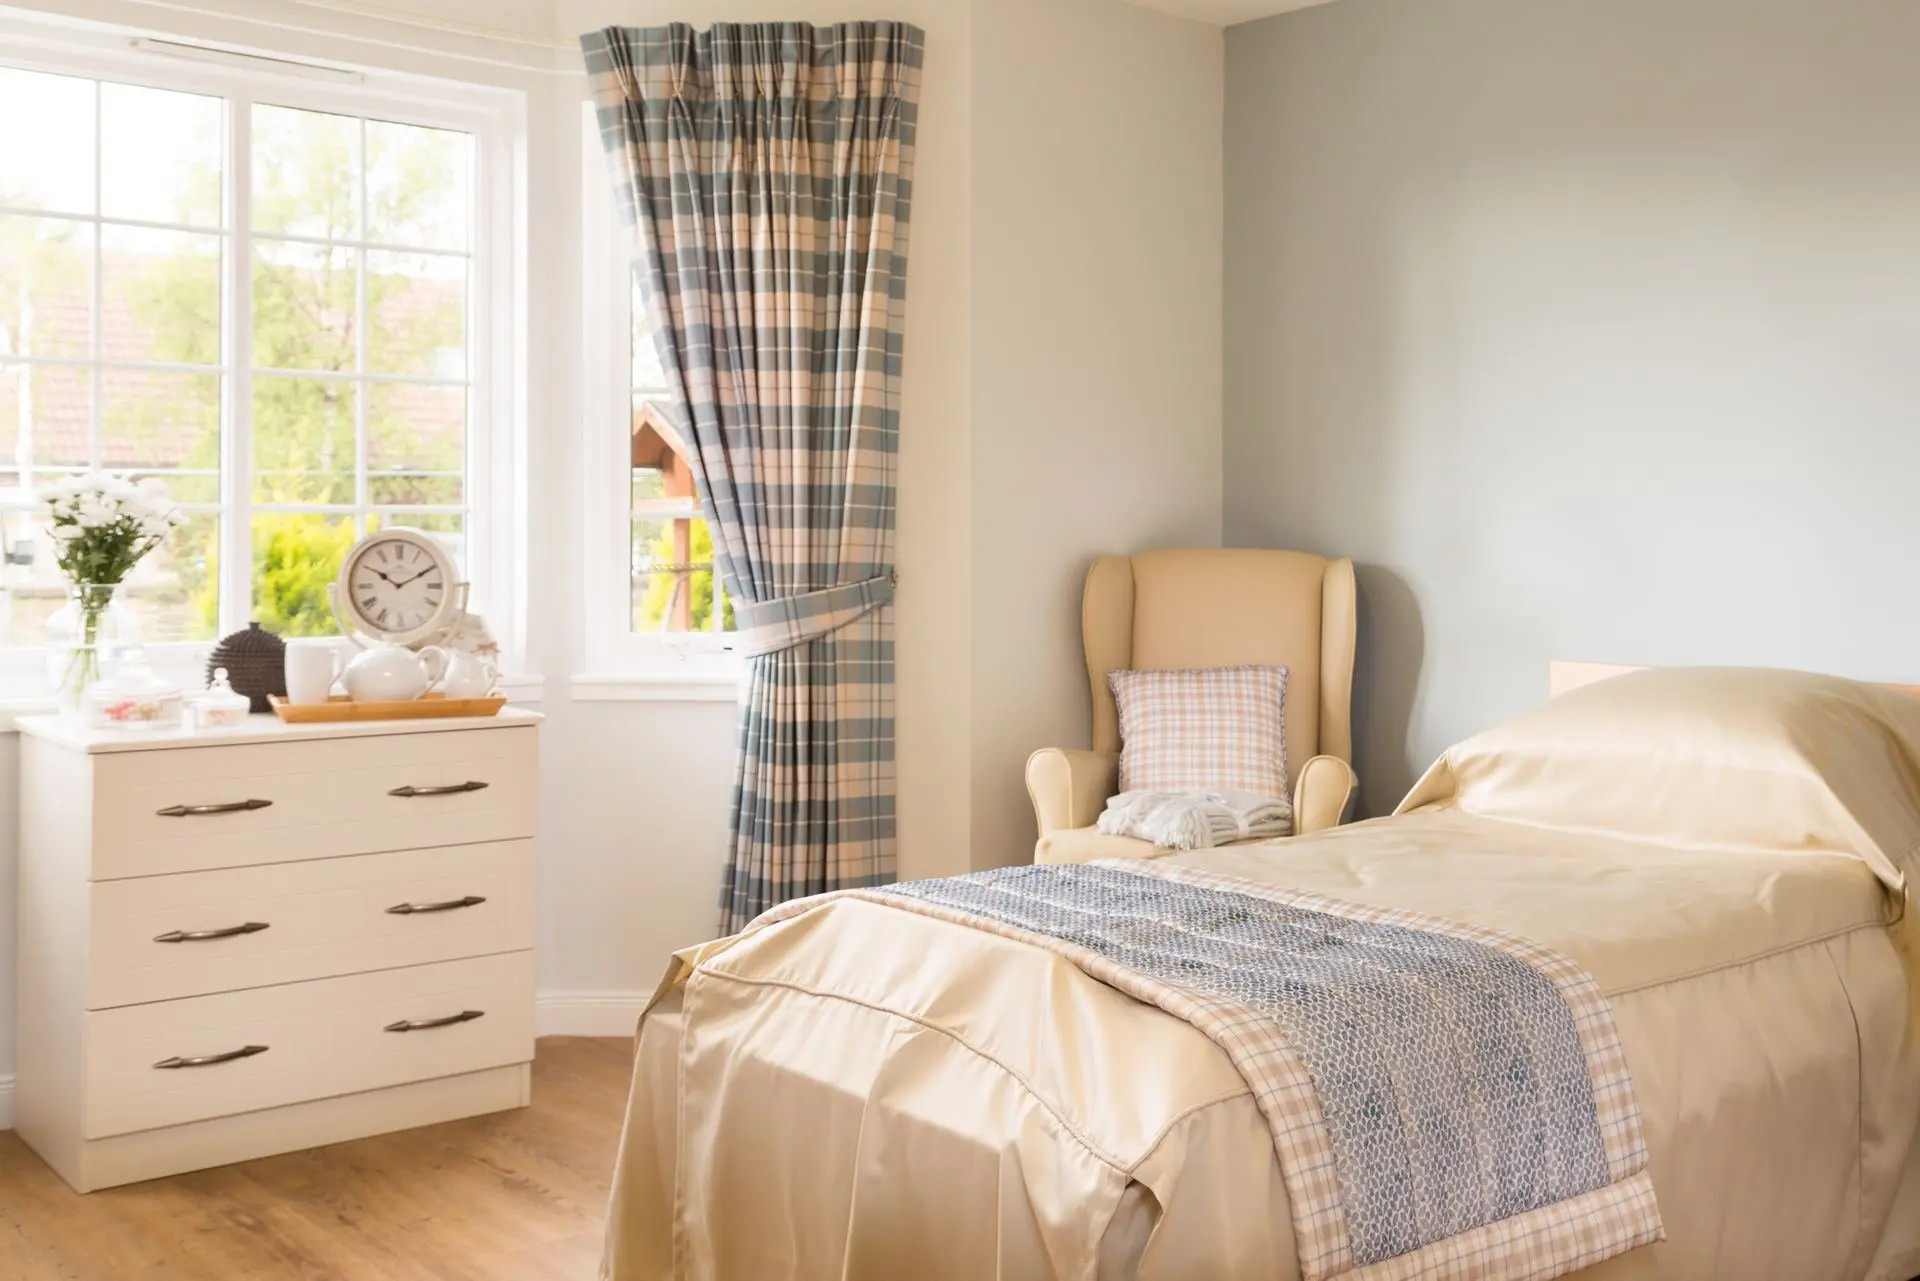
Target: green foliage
column 295, row 556
column 305, row 318
column 659, row 594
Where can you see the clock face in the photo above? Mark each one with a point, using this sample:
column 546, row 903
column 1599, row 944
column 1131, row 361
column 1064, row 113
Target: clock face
column 396, row 586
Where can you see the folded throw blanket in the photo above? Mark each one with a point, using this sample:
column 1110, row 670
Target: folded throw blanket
column 1445, row 1101
column 1197, row 820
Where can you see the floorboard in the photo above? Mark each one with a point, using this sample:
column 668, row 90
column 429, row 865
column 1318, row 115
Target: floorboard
column 517, row 1196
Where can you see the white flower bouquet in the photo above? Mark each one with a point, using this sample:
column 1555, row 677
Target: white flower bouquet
column 102, row 526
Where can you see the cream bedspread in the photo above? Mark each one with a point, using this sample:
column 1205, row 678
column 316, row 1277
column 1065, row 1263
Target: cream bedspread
column 866, row 1093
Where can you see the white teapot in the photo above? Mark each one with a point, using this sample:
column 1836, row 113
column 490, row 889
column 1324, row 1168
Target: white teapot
column 388, row 673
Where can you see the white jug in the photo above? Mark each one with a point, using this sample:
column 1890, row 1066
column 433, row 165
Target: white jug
column 469, row 676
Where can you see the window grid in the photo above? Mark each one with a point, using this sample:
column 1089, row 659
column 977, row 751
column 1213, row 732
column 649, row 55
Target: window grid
column 96, row 362
column 232, row 236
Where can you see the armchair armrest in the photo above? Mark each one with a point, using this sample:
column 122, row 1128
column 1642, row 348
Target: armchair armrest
column 1069, row 788
column 1322, row 795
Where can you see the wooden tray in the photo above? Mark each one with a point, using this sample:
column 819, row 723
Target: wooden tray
column 340, row 708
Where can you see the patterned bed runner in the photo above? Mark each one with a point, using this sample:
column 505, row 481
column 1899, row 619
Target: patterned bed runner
column 1445, row 1101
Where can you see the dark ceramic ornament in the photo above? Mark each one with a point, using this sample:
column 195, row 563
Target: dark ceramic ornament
column 256, row 663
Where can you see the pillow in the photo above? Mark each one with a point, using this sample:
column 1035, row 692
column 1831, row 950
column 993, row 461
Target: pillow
column 1203, row 729
column 1736, row 759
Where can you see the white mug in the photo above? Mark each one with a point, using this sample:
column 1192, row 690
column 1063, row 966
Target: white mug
column 469, row 676
column 312, row 668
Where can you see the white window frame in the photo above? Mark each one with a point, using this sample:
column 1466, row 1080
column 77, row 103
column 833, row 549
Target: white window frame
column 622, row 663
column 495, row 489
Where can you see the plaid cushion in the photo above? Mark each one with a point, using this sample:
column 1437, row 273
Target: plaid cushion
column 1203, row 729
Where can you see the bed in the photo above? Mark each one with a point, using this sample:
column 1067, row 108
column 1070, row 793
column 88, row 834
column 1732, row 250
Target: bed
column 859, row 1091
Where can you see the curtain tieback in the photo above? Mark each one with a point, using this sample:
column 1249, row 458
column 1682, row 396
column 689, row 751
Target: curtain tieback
column 769, row 626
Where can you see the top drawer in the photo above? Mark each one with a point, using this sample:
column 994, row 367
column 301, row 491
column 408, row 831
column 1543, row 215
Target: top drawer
column 192, row 809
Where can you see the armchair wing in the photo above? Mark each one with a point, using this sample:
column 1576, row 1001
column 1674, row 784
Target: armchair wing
column 1323, row 794
column 1069, row 788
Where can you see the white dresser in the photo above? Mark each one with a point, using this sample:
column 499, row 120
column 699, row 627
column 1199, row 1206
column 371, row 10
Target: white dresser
column 236, row 942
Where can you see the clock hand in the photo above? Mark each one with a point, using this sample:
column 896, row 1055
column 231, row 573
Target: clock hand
column 383, row 578
column 431, row 569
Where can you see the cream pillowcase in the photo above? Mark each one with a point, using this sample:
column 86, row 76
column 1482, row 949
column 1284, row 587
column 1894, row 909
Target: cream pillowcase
column 1203, row 729
column 1706, row 758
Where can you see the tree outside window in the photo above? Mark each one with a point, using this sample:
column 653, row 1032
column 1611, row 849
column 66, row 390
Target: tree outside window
column 357, row 284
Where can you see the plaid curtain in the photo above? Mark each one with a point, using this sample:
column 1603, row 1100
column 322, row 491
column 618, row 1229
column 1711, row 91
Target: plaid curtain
column 766, row 171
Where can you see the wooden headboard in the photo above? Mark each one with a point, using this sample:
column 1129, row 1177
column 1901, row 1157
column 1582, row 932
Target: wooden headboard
column 1563, row 677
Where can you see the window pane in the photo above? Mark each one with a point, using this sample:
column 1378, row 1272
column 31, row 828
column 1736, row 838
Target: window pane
column 305, row 299
column 160, row 155
column 447, row 526
column 152, row 419
column 295, row 556
column 674, row 577
column 416, row 314
column 303, row 440
column 175, row 591
column 46, row 412
column 306, row 173
column 46, row 286
column 160, row 296
column 31, row 588
column 416, row 444
column 200, row 488
column 417, row 185
column 648, row 373
column 47, row 164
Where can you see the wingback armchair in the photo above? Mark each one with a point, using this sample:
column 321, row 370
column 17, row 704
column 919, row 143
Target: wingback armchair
column 1174, row 609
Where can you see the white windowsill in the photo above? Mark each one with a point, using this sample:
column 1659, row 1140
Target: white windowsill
column 656, row 687
column 518, row 689
column 12, row 709
column 523, row 689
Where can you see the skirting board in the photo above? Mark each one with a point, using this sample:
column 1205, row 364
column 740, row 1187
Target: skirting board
column 6, row 1103
column 588, row 1013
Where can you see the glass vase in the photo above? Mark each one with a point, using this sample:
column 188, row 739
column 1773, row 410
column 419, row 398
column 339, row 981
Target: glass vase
column 87, row 639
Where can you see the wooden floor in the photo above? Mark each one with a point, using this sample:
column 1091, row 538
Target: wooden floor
column 518, row 1196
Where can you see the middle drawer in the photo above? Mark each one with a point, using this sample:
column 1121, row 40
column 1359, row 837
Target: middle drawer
column 161, row 937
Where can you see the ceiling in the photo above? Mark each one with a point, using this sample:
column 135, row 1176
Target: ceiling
column 1227, row 12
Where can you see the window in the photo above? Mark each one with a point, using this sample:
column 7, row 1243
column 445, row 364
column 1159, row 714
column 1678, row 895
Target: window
column 274, row 296
column 657, row 608
column 676, row 583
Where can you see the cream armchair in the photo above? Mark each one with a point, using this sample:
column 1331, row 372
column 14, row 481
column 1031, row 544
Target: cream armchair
column 1208, row 609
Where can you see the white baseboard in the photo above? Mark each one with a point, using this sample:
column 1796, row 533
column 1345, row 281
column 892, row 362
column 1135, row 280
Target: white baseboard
column 588, row 1013
column 6, row 1102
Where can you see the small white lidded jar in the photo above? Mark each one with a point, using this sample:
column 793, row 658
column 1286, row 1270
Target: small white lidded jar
column 136, row 697
column 220, row 705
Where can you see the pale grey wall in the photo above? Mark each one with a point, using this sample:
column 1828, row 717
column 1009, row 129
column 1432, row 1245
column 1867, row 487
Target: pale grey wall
column 1590, row 328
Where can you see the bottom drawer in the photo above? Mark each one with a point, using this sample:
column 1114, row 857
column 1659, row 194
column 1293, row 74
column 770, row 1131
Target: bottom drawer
column 241, row 1051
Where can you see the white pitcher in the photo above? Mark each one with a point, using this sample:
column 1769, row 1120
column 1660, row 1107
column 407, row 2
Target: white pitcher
column 469, row 676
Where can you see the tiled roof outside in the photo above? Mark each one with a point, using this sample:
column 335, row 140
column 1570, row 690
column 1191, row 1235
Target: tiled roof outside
column 177, row 412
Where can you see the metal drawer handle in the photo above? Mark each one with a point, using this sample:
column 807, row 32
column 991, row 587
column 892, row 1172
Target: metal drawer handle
column 421, row 1025
column 201, row 936
column 451, row 905
column 208, row 1060
column 231, row 807
column 452, row 789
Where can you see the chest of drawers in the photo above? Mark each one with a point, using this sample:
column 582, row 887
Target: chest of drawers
column 246, row 941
